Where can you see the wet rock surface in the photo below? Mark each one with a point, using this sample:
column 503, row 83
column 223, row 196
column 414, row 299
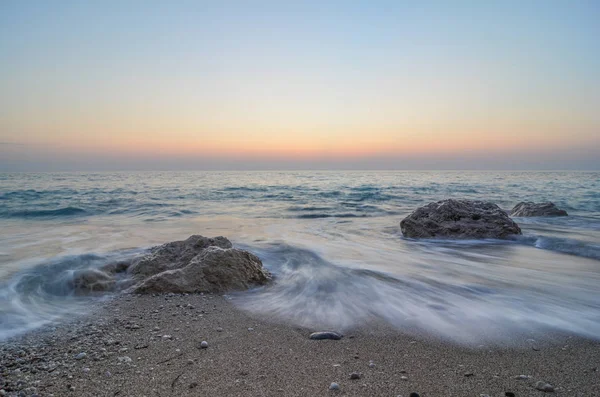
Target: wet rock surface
column 198, row 264
column 525, row 209
column 459, row 219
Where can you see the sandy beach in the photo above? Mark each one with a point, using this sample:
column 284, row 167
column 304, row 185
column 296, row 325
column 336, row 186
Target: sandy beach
column 144, row 345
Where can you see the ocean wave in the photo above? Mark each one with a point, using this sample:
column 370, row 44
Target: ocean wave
column 45, row 293
column 567, row 246
column 314, row 292
column 59, row 212
column 323, row 215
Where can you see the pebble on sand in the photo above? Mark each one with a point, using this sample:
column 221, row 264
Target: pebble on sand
column 334, row 386
column 204, row 344
column 355, row 375
column 413, row 394
column 80, row 356
column 325, row 335
column 545, row 387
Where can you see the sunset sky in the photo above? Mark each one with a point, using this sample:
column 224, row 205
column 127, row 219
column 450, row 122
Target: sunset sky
column 110, row 85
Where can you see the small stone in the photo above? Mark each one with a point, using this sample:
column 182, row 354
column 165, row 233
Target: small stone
column 405, row 378
column 334, row 386
column 325, row 335
column 509, row 394
column 468, row 374
column 80, row 356
column 86, row 369
column 413, row 394
column 193, row 385
column 190, row 361
column 545, row 387
column 204, row 344
column 167, row 337
column 250, row 329
column 355, row 375
column 371, row 364
column 219, row 329
column 522, row 377
column 124, row 359
column 108, row 374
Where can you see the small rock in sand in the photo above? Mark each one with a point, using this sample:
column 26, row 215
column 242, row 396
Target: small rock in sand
column 355, row 375
column 413, row 394
column 545, row 387
column 509, row 394
column 371, row 364
column 334, row 386
column 204, row 344
column 124, row 359
column 325, row 335
column 404, row 378
column 522, row 377
column 80, row 356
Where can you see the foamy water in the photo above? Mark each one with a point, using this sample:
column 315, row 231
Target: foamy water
column 331, row 239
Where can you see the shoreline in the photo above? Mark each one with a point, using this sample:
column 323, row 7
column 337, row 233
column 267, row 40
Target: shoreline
column 145, row 345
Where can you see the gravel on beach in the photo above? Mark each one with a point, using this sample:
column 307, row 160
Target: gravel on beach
column 144, row 345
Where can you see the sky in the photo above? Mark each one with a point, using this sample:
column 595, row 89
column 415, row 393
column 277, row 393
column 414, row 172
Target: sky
column 160, row 85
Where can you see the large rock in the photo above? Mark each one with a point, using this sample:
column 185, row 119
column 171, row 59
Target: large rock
column 537, row 209
column 174, row 255
column 459, row 219
column 215, row 269
column 198, row 264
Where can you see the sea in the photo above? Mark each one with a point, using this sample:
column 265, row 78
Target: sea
column 331, row 239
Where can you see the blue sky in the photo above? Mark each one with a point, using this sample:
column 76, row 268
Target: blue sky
column 253, row 85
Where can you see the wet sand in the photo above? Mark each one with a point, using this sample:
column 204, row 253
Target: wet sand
column 150, row 346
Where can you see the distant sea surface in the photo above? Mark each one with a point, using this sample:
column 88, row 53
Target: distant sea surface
column 331, row 239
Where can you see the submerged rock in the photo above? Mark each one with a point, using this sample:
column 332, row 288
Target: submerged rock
column 92, row 280
column 198, row 264
column 459, row 219
column 537, row 209
column 112, row 268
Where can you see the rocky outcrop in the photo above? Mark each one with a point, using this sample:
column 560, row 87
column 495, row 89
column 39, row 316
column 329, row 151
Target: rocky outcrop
column 537, row 209
column 459, row 219
column 174, row 255
column 198, row 264
column 213, row 270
